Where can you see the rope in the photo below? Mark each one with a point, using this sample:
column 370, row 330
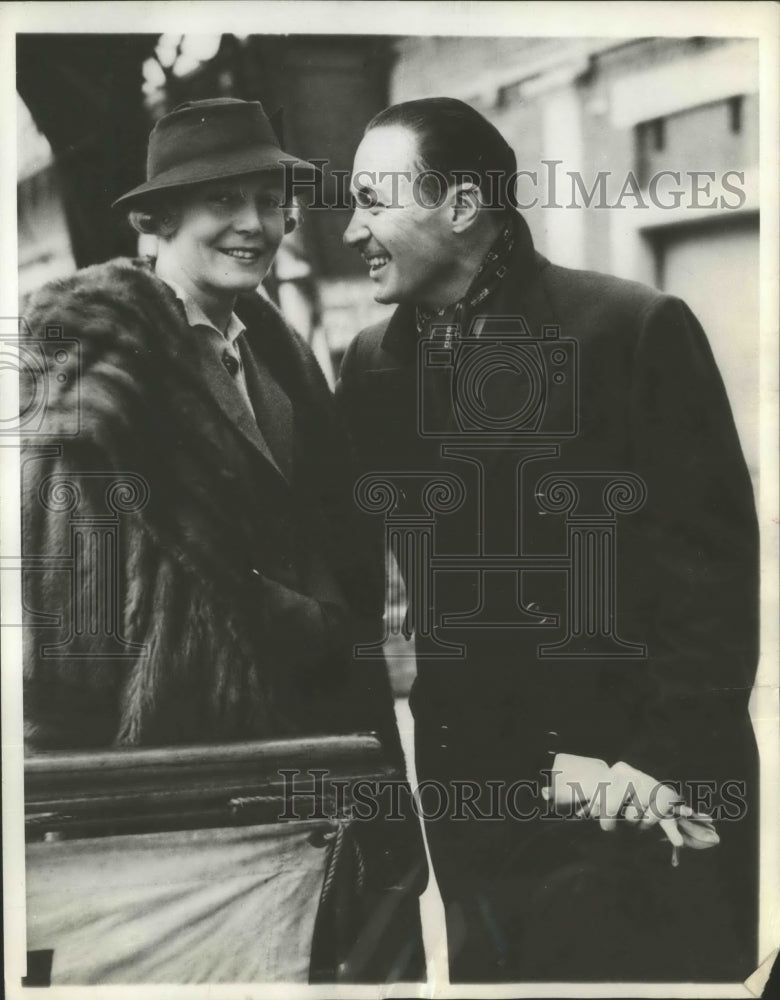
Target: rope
column 338, row 844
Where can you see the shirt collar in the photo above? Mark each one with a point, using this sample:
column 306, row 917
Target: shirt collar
column 197, row 317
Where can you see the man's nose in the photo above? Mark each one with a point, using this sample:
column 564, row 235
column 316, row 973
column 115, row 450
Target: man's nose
column 357, row 231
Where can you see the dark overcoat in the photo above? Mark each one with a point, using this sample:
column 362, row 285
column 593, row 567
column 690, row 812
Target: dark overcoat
column 634, row 395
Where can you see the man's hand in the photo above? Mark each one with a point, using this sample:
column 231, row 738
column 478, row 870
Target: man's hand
column 590, row 787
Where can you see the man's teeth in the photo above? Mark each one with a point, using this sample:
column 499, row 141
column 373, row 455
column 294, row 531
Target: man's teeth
column 377, row 261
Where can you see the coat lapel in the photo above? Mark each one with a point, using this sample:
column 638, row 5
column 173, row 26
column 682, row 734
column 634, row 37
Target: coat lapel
column 521, row 295
column 270, row 432
column 230, row 402
column 273, row 410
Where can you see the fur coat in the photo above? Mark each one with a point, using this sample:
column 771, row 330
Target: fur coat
column 187, row 578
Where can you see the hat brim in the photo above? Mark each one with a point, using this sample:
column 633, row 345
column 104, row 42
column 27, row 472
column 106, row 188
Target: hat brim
column 238, row 164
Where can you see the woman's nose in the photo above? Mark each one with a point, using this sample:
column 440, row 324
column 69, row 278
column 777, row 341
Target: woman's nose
column 357, row 231
column 248, row 218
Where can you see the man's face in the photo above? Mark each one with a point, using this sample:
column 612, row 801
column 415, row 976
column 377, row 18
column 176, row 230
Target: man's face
column 408, row 245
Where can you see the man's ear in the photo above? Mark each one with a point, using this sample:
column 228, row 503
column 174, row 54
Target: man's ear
column 466, row 203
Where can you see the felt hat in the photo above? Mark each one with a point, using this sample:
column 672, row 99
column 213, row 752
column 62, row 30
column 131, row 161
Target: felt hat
column 211, row 140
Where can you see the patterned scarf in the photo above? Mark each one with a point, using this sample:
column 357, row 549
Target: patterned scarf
column 449, row 321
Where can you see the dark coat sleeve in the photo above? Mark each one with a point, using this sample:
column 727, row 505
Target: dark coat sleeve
column 693, row 552
column 369, row 529
column 400, row 845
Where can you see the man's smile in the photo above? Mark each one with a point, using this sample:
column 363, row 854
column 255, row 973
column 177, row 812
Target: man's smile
column 376, row 261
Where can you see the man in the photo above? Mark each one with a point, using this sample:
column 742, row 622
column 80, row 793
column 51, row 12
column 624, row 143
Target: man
column 585, row 591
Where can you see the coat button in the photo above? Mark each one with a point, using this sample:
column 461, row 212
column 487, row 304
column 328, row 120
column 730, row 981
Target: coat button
column 231, row 364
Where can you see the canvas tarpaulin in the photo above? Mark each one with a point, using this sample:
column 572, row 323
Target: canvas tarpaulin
column 215, row 905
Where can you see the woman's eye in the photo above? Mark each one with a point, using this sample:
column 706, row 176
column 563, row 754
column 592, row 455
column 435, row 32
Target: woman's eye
column 222, row 198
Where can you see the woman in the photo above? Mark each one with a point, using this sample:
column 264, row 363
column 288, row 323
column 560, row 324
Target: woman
column 192, row 480
column 208, row 444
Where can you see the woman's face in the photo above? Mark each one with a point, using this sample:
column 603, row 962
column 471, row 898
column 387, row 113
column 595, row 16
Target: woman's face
column 228, row 234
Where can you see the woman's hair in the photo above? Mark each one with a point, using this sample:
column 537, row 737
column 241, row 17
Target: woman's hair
column 161, row 217
column 457, row 142
column 157, row 218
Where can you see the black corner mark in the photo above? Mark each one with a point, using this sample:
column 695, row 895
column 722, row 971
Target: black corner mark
column 39, row 968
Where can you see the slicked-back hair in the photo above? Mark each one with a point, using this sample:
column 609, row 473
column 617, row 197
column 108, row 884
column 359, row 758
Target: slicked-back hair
column 457, row 142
